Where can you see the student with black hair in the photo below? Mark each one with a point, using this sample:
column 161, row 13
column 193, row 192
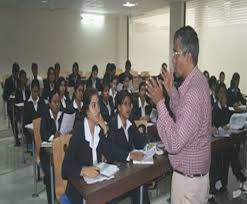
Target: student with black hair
column 221, row 78
column 212, row 85
column 113, row 89
column 87, row 146
column 10, row 87
column 35, row 72
column 77, row 101
column 61, row 88
column 108, row 74
column 74, row 78
column 22, row 92
column 234, row 95
column 125, row 136
column 106, row 104
column 49, row 129
column 57, row 71
column 49, row 83
column 126, row 76
column 93, row 81
column 142, row 108
column 34, row 107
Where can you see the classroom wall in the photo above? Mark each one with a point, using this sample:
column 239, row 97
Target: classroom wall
column 47, row 37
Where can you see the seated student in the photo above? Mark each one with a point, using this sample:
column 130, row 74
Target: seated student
column 234, row 95
column 57, row 71
column 142, row 108
column 206, row 74
column 221, row 78
column 113, row 89
column 126, row 84
column 93, row 81
column 77, row 102
column 22, row 92
column 33, row 108
column 62, row 91
column 212, row 85
column 49, row 83
column 126, row 73
column 106, row 104
column 124, row 134
column 35, row 71
column 49, row 129
column 87, row 146
column 10, row 87
column 107, row 76
column 221, row 160
column 74, row 77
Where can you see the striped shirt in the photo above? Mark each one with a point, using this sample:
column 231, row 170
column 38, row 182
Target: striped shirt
column 188, row 138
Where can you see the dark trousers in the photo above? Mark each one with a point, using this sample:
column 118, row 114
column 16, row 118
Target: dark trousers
column 45, row 164
column 10, row 109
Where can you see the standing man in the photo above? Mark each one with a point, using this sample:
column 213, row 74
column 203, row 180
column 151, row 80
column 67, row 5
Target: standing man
column 187, row 137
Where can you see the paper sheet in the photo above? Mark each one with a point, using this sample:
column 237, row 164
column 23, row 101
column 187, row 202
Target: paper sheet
column 67, row 123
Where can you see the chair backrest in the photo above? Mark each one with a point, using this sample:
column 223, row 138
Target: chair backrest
column 59, row 146
column 37, row 137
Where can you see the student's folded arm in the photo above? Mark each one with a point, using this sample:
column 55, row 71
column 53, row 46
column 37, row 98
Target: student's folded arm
column 175, row 135
column 71, row 167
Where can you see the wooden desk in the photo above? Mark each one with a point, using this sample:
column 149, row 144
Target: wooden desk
column 128, row 178
column 218, row 144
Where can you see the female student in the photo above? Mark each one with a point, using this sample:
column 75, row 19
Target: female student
column 49, row 129
column 113, row 89
column 74, row 77
column 93, row 81
column 106, row 104
column 77, row 102
column 49, row 83
column 62, row 91
column 234, row 95
column 33, row 108
column 125, row 136
column 142, row 109
column 87, row 146
column 22, row 92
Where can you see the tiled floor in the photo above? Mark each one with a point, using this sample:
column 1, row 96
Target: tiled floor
column 16, row 179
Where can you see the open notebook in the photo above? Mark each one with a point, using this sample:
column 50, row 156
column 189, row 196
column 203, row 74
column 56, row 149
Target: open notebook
column 148, row 156
column 107, row 172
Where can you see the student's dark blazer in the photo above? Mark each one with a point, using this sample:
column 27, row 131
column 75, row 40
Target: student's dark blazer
column 118, row 138
column 68, row 105
column 73, row 79
column 48, row 126
column 104, row 110
column 220, row 117
column 9, row 87
column 19, row 97
column 79, row 154
column 234, row 96
column 29, row 113
column 136, row 112
column 47, row 89
column 89, row 83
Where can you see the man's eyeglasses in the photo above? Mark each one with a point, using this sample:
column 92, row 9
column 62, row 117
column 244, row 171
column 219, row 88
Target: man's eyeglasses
column 176, row 54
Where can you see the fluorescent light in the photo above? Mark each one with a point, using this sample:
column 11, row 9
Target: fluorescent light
column 44, row 1
column 128, row 4
column 92, row 19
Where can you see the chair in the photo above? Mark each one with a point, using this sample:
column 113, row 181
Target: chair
column 36, row 150
column 37, row 138
column 59, row 146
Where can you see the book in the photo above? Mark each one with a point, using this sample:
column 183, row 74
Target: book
column 106, row 172
column 148, row 156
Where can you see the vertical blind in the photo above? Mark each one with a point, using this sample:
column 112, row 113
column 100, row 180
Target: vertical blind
column 222, row 27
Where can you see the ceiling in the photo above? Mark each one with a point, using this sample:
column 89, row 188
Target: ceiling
column 93, row 6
